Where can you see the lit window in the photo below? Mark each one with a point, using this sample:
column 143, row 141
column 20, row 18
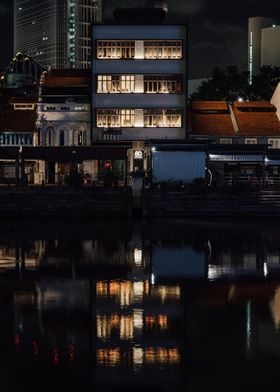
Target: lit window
column 251, row 141
column 274, row 143
column 225, row 141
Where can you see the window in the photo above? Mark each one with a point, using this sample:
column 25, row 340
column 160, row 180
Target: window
column 115, row 118
column 149, row 49
column 225, row 141
column 24, row 106
column 61, row 138
column 163, row 84
column 274, row 143
column 115, row 83
column 139, row 83
column 162, row 118
column 115, row 49
column 250, row 141
column 156, row 49
column 150, row 118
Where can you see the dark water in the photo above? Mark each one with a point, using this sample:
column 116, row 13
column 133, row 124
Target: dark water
column 154, row 306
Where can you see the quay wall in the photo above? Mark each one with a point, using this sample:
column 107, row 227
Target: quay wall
column 262, row 203
column 118, row 203
column 64, row 203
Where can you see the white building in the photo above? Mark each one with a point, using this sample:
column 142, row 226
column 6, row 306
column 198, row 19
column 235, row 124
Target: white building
column 260, row 45
column 270, row 54
column 63, row 113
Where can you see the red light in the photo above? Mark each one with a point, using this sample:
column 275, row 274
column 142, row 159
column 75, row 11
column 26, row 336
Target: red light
column 71, row 352
column 107, row 165
column 17, row 341
column 35, row 347
column 55, row 357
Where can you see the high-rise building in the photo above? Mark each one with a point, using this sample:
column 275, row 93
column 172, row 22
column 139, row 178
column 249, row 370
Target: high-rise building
column 55, row 32
column 256, row 27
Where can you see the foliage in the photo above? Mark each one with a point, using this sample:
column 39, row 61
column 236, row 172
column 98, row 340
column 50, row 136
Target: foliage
column 231, row 84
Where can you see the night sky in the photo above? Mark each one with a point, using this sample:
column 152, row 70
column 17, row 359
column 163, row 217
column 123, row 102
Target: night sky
column 218, row 28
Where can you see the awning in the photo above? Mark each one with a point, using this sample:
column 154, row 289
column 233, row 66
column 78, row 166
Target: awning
column 235, row 158
column 272, row 162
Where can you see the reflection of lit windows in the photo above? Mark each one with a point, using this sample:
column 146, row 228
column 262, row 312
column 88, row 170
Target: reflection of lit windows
column 102, row 289
column 126, row 327
column 161, row 356
column 165, row 293
column 138, row 356
column 138, row 251
column 138, row 291
column 108, row 357
column 156, row 322
column 138, row 319
column 122, row 290
column 106, row 324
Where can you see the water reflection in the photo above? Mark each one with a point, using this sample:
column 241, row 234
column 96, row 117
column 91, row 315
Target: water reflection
column 139, row 307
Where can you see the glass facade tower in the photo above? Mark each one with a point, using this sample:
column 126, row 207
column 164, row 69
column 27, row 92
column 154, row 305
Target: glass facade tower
column 55, row 32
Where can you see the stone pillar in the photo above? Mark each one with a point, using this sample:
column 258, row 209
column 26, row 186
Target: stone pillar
column 39, row 175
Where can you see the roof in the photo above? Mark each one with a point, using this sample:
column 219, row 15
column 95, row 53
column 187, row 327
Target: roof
column 15, row 99
column 211, row 118
column 66, row 77
column 17, row 120
column 256, row 119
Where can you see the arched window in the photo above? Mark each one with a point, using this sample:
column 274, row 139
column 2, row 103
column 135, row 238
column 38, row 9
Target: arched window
column 61, row 140
column 49, row 136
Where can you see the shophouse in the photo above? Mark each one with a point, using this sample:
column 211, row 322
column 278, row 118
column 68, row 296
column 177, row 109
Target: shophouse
column 139, row 90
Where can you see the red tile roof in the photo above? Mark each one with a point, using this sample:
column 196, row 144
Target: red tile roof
column 256, row 119
column 217, row 123
column 66, row 77
column 17, row 120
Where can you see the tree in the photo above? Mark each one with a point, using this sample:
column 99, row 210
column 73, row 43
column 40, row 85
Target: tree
column 230, row 84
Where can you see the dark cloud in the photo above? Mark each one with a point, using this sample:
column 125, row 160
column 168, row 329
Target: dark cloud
column 217, row 28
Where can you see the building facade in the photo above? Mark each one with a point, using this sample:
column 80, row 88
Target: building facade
column 139, row 84
column 258, row 44
column 63, row 115
column 55, row 32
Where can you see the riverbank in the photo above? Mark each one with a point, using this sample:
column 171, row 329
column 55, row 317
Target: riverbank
column 87, row 203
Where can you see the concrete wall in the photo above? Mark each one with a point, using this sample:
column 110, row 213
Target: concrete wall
column 270, row 52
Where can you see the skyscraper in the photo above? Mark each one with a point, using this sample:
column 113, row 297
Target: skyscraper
column 55, row 32
column 255, row 30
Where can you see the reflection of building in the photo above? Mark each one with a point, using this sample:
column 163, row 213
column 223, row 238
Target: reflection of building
column 56, row 33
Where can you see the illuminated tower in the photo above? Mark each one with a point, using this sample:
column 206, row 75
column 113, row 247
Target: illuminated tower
column 55, row 32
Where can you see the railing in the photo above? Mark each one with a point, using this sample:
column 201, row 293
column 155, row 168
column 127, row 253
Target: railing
column 252, row 180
